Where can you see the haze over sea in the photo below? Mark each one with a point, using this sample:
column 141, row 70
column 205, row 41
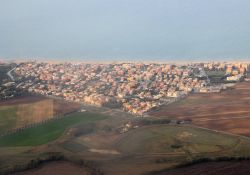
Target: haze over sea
column 113, row 30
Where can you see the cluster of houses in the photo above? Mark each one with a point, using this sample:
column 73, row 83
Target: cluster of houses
column 135, row 87
column 233, row 71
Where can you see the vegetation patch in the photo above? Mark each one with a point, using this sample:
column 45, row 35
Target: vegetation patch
column 49, row 131
column 73, row 146
column 216, row 76
column 177, row 139
column 7, row 118
column 19, row 112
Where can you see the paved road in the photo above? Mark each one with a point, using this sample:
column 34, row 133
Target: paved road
column 9, row 74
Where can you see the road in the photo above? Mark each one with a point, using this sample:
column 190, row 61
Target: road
column 9, row 74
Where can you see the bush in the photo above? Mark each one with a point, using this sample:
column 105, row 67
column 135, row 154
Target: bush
column 154, row 122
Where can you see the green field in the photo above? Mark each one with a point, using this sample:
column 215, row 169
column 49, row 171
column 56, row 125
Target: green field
column 175, row 139
column 18, row 115
column 7, row 118
column 26, row 110
column 94, row 136
column 49, row 131
column 216, row 76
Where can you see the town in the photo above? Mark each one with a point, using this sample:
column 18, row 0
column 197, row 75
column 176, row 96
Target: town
column 134, row 87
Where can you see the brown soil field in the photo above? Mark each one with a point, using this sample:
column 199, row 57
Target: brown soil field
column 227, row 111
column 56, row 168
column 211, row 168
column 59, row 106
column 20, row 100
column 34, row 112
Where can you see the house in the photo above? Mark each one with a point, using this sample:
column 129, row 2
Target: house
column 204, row 90
column 235, row 78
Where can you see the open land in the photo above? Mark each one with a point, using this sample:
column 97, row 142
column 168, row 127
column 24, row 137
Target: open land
column 211, row 168
column 46, row 132
column 226, row 111
column 56, row 168
column 22, row 111
column 94, row 136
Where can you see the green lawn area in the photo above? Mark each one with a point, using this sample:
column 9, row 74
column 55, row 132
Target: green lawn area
column 216, row 73
column 175, row 139
column 216, row 76
column 7, row 118
column 49, row 131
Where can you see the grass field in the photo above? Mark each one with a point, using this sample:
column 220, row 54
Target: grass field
column 7, row 118
column 216, row 76
column 174, row 139
column 47, row 132
column 93, row 135
column 158, row 147
column 141, row 150
column 226, row 111
column 21, row 111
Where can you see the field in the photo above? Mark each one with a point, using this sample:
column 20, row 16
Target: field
column 226, row 111
column 150, row 148
column 56, row 168
column 216, row 76
column 155, row 147
column 174, row 139
column 94, row 137
column 139, row 151
column 49, row 131
column 22, row 111
column 212, row 168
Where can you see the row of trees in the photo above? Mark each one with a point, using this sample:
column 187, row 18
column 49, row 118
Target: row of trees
column 198, row 161
column 34, row 163
column 162, row 121
column 217, row 159
column 90, row 166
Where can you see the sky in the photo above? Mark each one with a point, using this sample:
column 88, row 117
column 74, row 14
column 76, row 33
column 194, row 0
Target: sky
column 125, row 29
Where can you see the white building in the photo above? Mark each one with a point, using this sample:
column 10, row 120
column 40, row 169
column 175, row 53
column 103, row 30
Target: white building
column 235, row 78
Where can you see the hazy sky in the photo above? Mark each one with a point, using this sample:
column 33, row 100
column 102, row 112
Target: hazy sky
column 125, row 29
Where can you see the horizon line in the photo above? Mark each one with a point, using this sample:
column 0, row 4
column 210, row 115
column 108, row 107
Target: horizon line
column 123, row 60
